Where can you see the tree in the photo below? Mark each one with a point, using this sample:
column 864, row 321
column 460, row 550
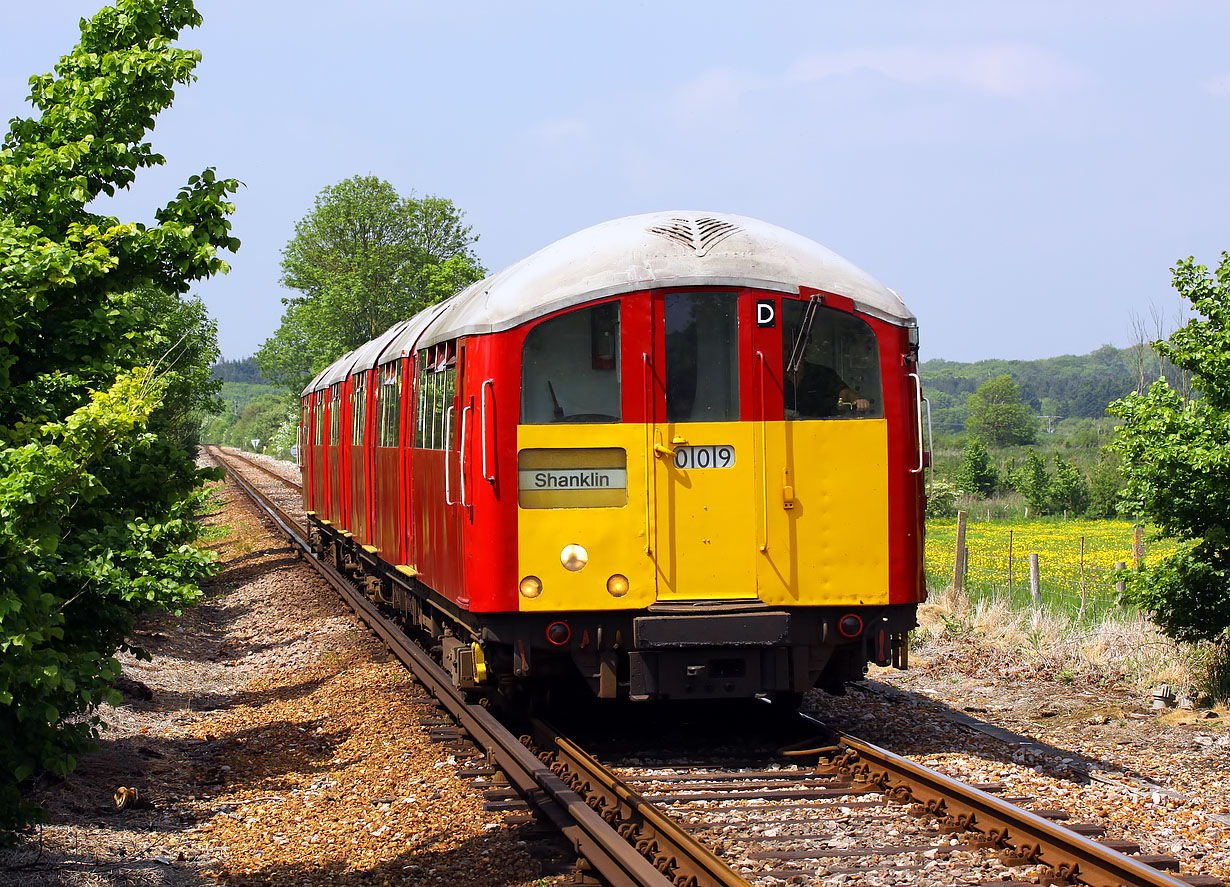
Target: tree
column 997, row 415
column 1033, row 481
column 99, row 363
column 1175, row 453
column 1105, row 485
column 977, row 475
column 363, row 259
column 1069, row 490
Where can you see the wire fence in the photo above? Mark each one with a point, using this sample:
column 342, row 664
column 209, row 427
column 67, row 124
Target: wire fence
column 1077, row 591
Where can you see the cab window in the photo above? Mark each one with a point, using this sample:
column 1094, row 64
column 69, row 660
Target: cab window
column 702, row 360
column 570, row 368
column 836, row 364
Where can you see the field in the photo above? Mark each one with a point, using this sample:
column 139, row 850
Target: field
column 1076, row 560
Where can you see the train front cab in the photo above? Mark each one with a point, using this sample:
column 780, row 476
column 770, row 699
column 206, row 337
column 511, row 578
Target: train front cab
column 719, row 492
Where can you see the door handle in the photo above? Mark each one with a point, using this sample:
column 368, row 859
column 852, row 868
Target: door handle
column 663, row 450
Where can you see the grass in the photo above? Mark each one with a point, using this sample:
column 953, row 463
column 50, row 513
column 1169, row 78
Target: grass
column 1082, row 633
column 1076, row 560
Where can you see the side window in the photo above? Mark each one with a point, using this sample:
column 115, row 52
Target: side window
column 702, row 357
column 437, row 387
column 838, row 371
column 335, row 413
column 390, row 404
column 319, row 435
column 358, row 413
column 570, row 368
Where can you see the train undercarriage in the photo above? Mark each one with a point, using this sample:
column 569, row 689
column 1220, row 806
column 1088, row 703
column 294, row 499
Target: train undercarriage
column 693, row 650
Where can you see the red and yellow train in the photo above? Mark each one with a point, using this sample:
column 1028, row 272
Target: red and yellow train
column 676, row 455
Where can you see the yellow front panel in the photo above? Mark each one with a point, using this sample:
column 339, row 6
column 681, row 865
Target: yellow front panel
column 711, row 533
column 613, row 535
column 831, row 547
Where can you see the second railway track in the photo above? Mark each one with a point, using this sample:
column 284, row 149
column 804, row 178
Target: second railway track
column 837, row 811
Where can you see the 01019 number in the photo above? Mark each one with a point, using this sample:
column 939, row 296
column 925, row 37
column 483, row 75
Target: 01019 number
column 720, row 456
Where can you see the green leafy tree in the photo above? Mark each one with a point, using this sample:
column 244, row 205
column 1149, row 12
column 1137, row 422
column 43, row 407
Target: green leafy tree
column 1032, row 480
column 361, row 260
column 1069, row 489
column 259, row 421
column 1105, row 486
column 1175, row 454
column 977, row 475
column 98, row 363
column 996, row 414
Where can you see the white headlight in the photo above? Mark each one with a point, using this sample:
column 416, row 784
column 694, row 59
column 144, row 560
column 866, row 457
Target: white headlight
column 573, row 557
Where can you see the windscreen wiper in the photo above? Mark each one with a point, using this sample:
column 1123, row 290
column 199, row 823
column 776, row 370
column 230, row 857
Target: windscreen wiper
column 800, row 340
column 559, row 411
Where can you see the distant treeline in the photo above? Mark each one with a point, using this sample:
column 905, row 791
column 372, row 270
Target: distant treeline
column 1068, row 387
column 244, row 370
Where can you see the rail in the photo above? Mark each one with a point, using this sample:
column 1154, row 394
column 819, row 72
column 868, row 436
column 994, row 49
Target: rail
column 674, row 852
column 1025, row 836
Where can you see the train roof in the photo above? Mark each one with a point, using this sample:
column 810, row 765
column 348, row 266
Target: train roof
column 681, row 248
column 654, row 250
column 405, row 342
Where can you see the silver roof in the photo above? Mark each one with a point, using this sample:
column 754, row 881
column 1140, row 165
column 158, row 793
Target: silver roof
column 362, row 358
column 406, row 341
column 316, row 380
column 655, row 250
column 682, row 248
column 369, row 354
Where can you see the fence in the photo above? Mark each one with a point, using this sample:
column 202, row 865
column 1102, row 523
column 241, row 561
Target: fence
column 1029, row 579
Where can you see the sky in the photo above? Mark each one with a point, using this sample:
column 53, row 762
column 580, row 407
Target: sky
column 1023, row 174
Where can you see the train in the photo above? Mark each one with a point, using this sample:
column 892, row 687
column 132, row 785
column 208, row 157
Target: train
column 673, row 456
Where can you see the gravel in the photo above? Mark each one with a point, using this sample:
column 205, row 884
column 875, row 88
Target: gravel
column 281, row 745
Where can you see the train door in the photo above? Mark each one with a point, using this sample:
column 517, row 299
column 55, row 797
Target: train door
column 334, row 454
column 304, row 452
column 704, row 476
column 358, row 467
column 386, row 465
column 320, row 476
column 441, row 493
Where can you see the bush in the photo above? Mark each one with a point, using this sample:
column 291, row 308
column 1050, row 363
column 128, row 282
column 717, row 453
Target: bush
column 943, row 500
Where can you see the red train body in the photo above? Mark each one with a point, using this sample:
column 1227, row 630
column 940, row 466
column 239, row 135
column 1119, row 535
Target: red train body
column 672, row 456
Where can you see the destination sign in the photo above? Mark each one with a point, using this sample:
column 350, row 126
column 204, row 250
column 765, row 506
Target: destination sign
column 573, row 479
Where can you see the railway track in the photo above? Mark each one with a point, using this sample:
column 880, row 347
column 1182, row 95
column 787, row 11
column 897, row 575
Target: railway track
column 837, row 809
column 239, row 456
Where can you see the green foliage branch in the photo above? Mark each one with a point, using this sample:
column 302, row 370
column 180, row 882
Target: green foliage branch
column 101, row 373
column 1175, row 456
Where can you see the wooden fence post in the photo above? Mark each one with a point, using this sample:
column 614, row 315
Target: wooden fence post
column 958, row 561
column 1084, row 588
column 1138, row 546
column 1120, row 586
column 1009, row 564
column 1035, row 581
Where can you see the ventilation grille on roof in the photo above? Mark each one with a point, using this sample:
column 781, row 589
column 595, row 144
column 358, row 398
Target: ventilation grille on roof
column 699, row 235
